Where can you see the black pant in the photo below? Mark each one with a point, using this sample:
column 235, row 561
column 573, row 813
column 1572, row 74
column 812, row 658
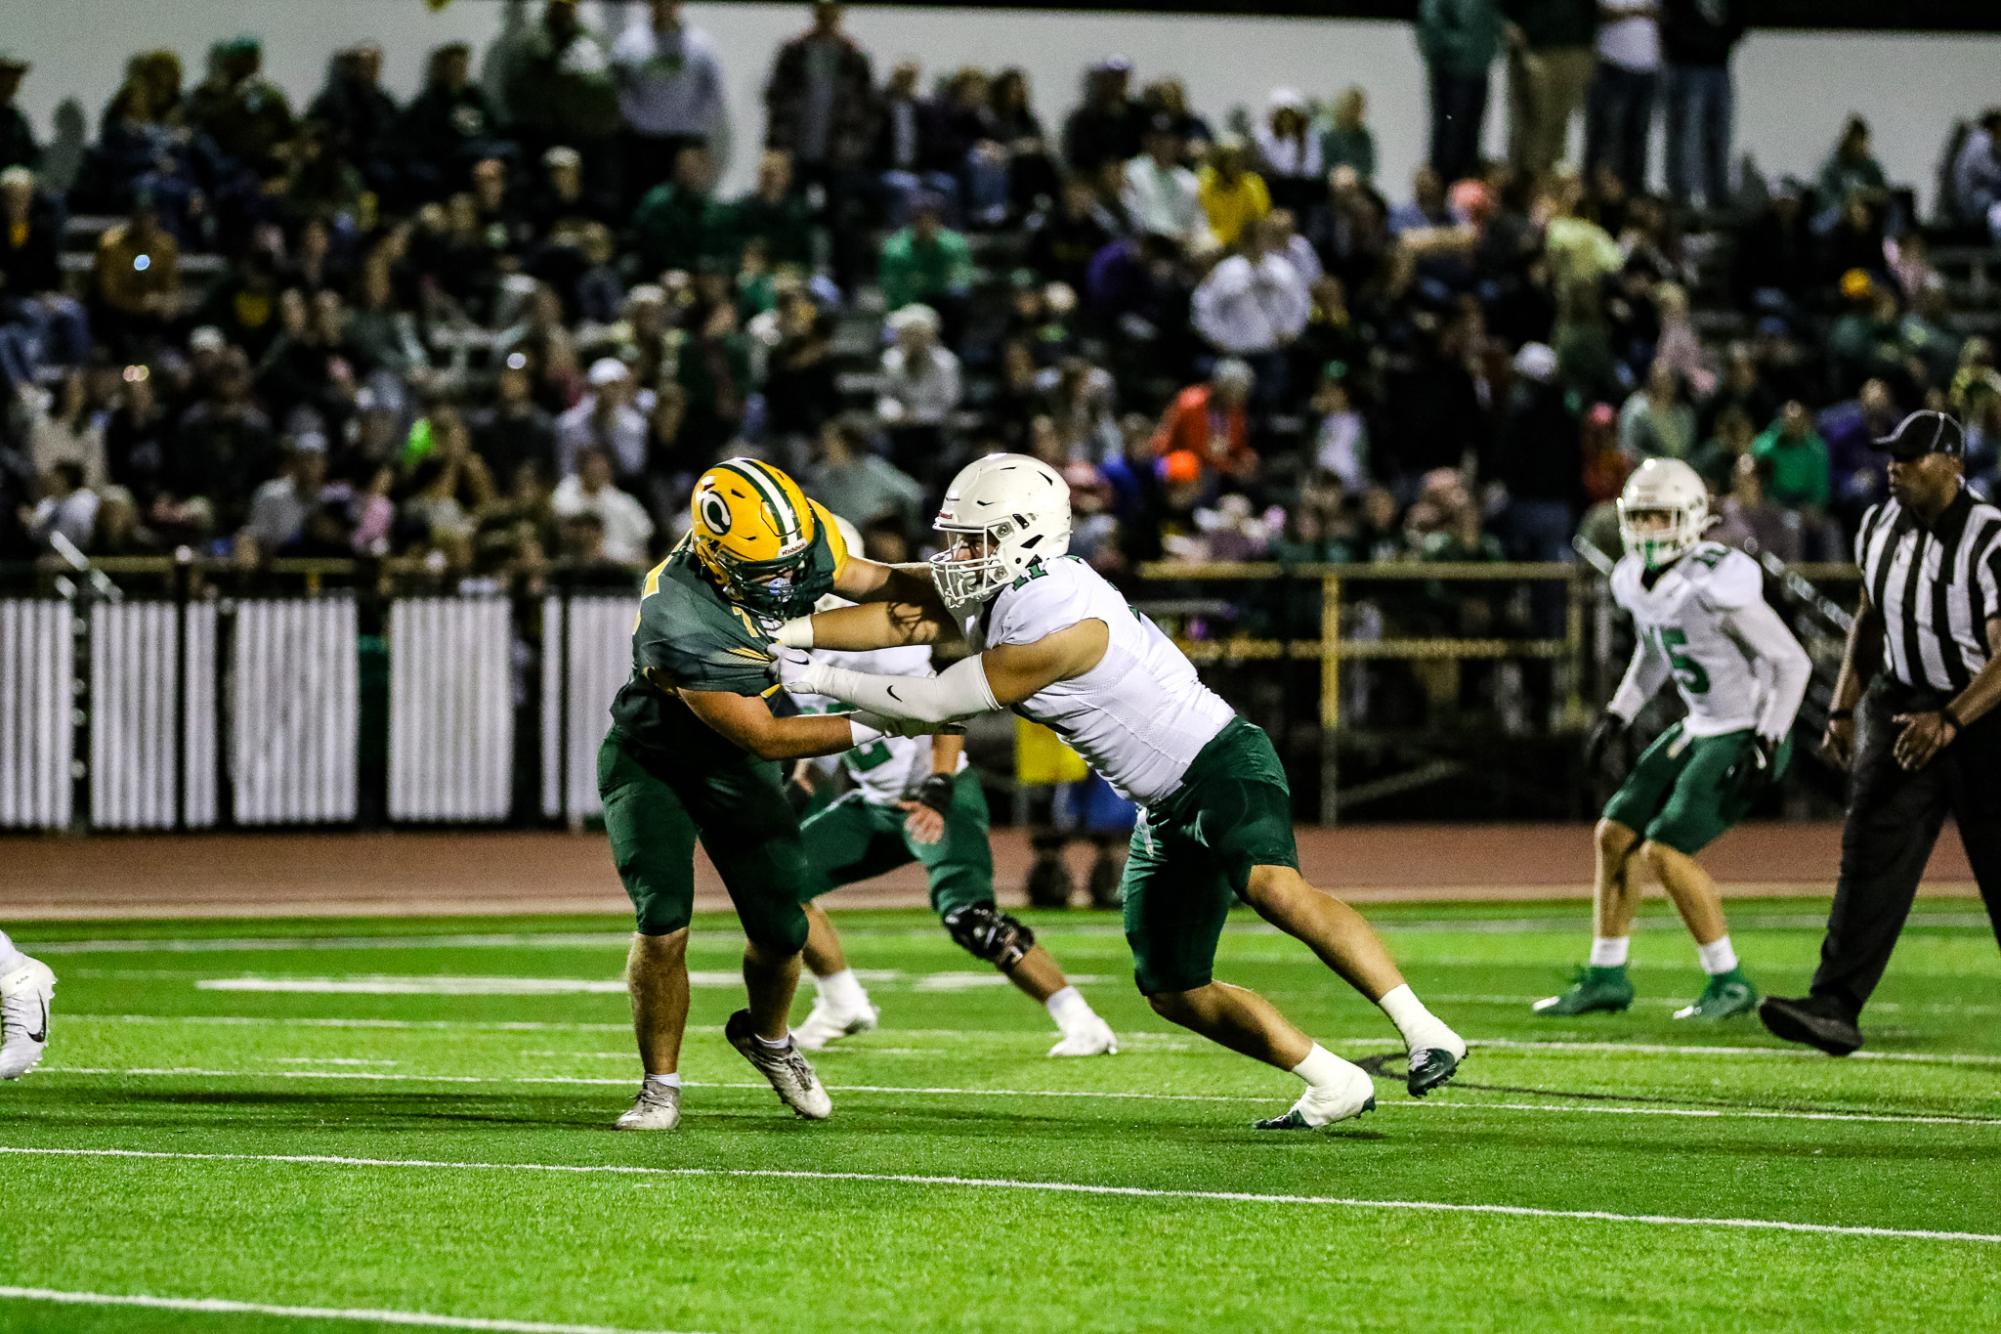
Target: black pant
column 1458, row 112
column 1894, row 817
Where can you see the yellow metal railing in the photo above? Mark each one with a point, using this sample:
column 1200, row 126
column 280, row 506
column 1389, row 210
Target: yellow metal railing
column 1338, row 584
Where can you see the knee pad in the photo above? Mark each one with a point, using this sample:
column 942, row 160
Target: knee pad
column 990, row 935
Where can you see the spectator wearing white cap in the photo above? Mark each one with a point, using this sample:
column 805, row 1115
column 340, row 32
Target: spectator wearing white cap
column 606, row 418
column 921, row 389
column 1289, row 151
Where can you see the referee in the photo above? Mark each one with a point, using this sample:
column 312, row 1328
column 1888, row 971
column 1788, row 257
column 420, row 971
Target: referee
column 1912, row 720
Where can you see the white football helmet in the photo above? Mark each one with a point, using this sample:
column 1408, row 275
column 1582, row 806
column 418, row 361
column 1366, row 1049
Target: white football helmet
column 1663, row 486
column 852, row 536
column 1001, row 514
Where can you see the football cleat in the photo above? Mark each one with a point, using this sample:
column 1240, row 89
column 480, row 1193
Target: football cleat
column 1724, row 996
column 790, row 1074
column 1433, row 1063
column 1592, row 989
column 26, row 989
column 825, row 1024
column 1324, row 1106
column 1089, row 1037
column 658, row 1107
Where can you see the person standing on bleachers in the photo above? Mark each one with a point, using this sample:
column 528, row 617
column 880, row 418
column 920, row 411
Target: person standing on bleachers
column 17, row 138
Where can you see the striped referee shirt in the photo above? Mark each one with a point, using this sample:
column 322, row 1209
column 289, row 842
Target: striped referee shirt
column 1935, row 587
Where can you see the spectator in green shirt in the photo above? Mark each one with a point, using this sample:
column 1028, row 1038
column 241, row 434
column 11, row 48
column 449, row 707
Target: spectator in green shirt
column 1796, row 458
column 679, row 223
column 926, row 262
column 1347, row 141
column 775, row 213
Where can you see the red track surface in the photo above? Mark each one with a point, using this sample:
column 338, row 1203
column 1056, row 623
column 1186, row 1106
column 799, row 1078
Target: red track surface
column 420, row 874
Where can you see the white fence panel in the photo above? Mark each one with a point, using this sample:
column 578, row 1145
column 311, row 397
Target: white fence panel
column 597, row 643
column 139, row 751
column 294, row 711
column 451, row 709
column 37, row 713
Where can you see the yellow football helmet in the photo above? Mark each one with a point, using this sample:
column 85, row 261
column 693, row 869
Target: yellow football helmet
column 754, row 531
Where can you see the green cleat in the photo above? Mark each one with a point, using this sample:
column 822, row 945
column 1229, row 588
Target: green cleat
column 1724, row 996
column 1592, row 989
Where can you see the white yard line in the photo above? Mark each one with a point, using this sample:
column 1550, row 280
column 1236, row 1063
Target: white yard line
column 1166, row 1041
column 1046, row 1187
column 224, row 1306
column 1475, row 1104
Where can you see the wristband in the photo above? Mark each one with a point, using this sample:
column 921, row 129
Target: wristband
column 860, row 732
column 936, row 792
column 1840, row 715
column 795, row 633
column 1945, row 712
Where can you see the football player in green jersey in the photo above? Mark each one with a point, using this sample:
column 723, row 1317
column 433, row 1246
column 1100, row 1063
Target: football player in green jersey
column 693, row 755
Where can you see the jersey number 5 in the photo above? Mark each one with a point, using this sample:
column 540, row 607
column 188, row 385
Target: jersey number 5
column 1687, row 671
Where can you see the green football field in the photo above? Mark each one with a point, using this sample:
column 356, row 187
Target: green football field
column 251, row 1126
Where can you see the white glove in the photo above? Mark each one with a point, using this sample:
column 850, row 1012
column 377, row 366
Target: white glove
column 796, row 670
column 887, row 726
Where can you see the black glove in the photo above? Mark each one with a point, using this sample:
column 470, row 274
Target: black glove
column 1756, row 765
column 1609, row 728
column 936, row 792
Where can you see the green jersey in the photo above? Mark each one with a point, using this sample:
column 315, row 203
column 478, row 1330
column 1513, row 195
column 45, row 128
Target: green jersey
column 689, row 636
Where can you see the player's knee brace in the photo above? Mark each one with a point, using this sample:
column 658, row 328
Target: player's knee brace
column 990, row 935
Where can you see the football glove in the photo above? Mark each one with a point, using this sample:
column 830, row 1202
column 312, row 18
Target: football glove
column 1609, row 728
column 1756, row 765
column 795, row 669
column 936, row 792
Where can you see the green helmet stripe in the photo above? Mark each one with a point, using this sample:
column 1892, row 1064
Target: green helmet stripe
column 772, row 493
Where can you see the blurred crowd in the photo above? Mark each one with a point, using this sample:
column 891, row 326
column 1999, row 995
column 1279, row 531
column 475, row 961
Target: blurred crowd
column 501, row 326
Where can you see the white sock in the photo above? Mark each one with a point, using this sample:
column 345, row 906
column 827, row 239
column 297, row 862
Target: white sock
column 1067, row 1007
column 1609, row 951
column 775, row 1044
column 665, row 1081
column 1323, row 1069
column 842, row 990
column 1718, row 956
column 1417, row 1024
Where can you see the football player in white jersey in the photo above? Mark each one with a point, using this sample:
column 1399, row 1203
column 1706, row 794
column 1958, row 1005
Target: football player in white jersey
column 1700, row 614
column 1056, row 643
column 26, row 988
column 916, row 799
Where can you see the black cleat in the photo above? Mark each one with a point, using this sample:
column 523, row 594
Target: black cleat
column 1430, row 1068
column 1812, row 1021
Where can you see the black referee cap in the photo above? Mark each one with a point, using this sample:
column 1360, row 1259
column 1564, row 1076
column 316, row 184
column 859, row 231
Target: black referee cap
column 1923, row 433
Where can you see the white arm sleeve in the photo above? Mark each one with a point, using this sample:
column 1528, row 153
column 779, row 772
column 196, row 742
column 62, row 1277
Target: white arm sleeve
column 1778, row 657
column 959, row 691
column 1645, row 675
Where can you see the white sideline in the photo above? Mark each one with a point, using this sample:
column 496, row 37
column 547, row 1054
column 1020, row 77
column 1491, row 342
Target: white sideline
column 223, row 1306
column 1562, row 914
column 1047, row 1187
column 1115, row 1095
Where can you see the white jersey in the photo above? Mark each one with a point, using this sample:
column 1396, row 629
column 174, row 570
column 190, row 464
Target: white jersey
column 1141, row 715
column 888, row 770
column 1698, row 624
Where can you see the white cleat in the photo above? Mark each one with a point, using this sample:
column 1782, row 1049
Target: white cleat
column 658, row 1107
column 791, row 1074
column 1093, row 1037
column 826, row 1025
column 1324, row 1106
column 26, row 989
